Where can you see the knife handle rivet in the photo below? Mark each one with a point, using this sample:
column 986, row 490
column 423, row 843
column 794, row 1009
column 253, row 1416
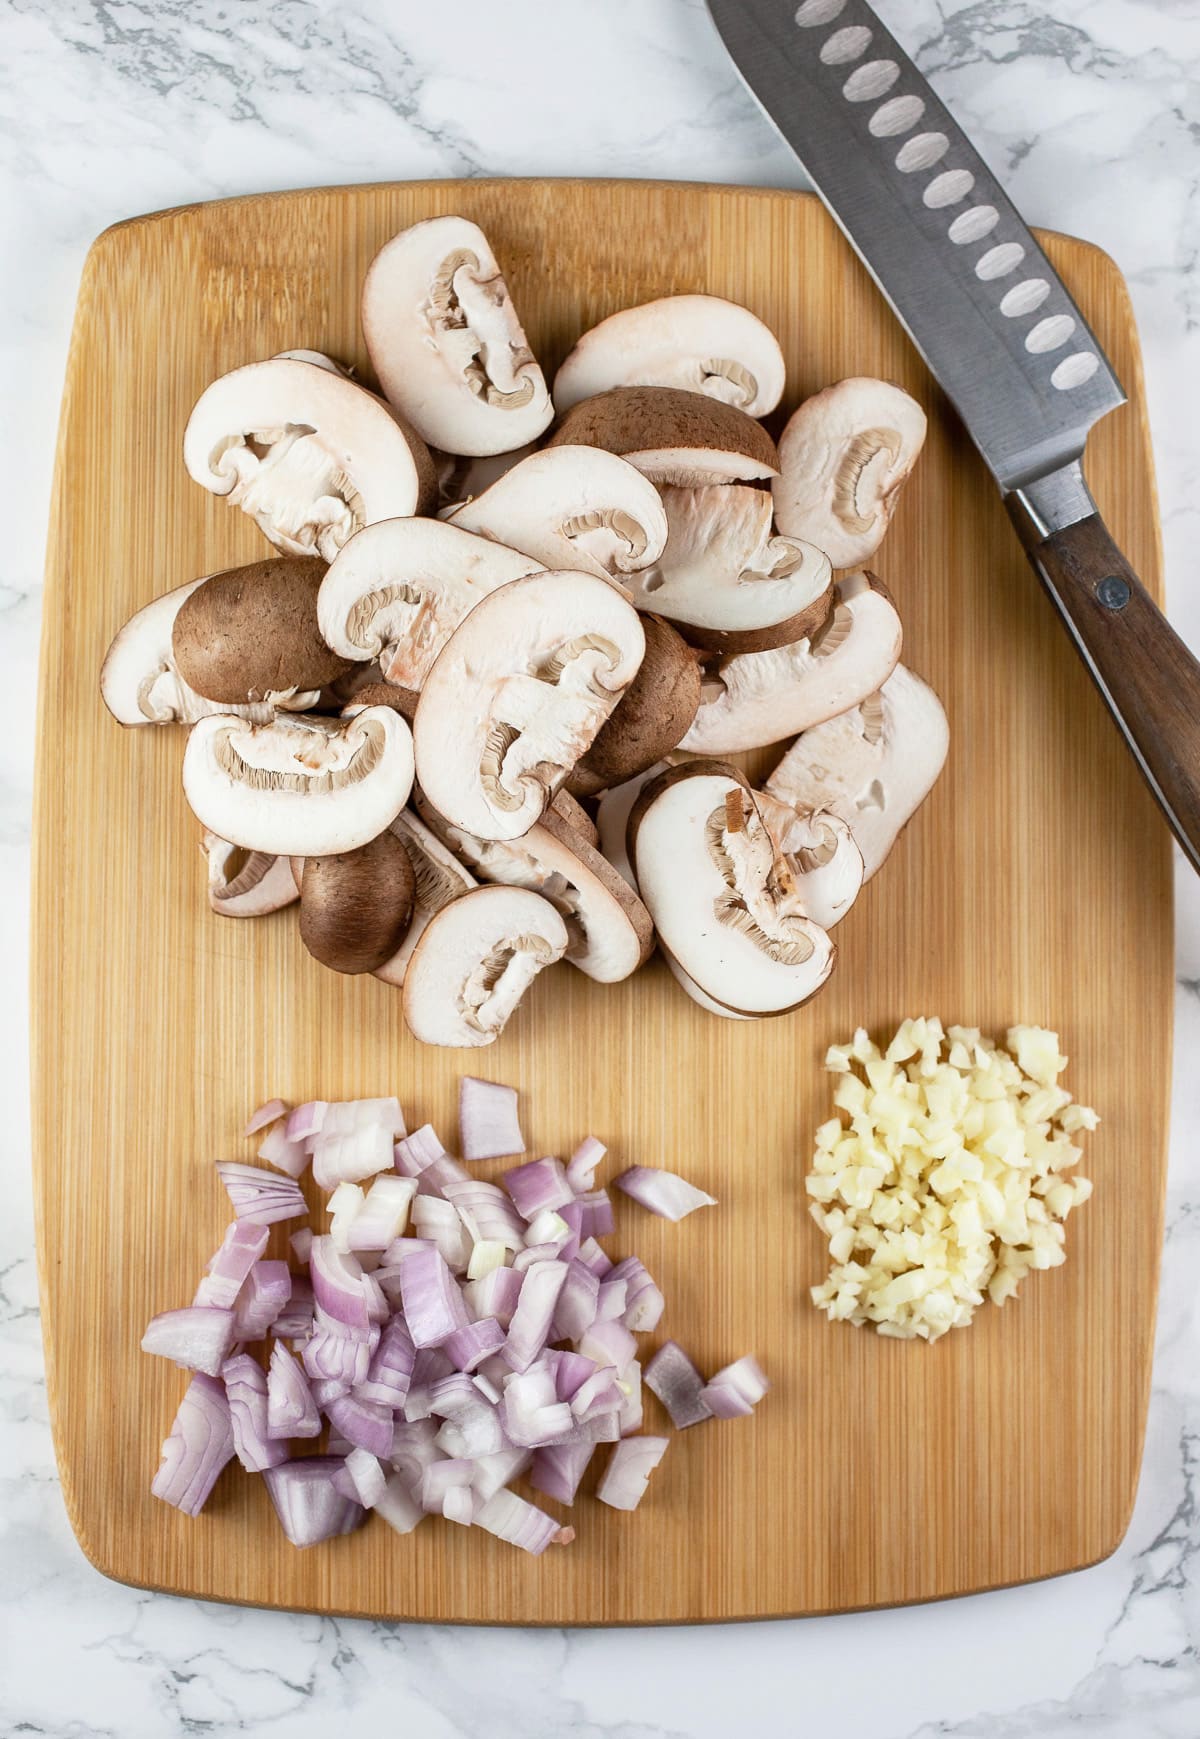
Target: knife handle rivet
column 1113, row 592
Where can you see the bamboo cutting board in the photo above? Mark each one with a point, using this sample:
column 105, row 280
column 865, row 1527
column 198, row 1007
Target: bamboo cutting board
column 1034, row 886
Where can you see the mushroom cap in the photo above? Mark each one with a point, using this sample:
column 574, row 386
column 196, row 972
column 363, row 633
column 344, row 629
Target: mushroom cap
column 300, row 786
column 700, row 343
column 651, row 717
column 843, row 459
column 672, row 436
column 311, row 456
column 572, row 507
column 722, row 898
column 356, row 906
column 824, row 857
column 475, row 960
column 399, row 589
column 761, row 697
column 246, row 884
column 518, row 694
column 446, row 343
column 726, row 579
column 610, row 930
column 438, row 878
column 873, row 766
column 249, row 633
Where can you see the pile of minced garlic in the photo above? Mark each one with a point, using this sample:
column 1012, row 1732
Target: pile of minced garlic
column 950, row 1181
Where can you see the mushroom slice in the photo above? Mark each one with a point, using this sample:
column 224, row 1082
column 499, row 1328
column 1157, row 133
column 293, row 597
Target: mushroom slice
column 701, row 343
column 251, row 633
column 246, row 884
column 760, row 697
column 318, row 359
column 474, row 962
column 873, row 766
column 399, row 589
column 672, row 436
column 356, row 906
column 446, row 342
column 612, row 819
column 573, row 507
column 825, row 860
column 730, row 583
column 573, row 815
column 140, row 683
column 609, row 928
column 518, row 694
column 653, row 714
column 723, row 899
column 843, row 458
column 462, row 479
column 701, row 996
column 311, row 456
column 438, row 878
column 299, row 786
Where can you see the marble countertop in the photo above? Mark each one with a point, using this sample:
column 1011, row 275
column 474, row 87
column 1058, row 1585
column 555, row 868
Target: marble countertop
column 1087, row 109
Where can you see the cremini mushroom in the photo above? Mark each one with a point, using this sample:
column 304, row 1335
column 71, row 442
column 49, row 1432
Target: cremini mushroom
column 462, row 479
column 474, row 962
column 438, row 878
column 651, row 717
column 299, row 786
column 874, row 766
column 356, row 906
column 705, row 1001
column 572, row 507
column 754, row 698
column 575, row 816
column 672, row 436
column 311, row 456
column 609, row 928
column 446, row 343
column 726, row 579
column 821, row 850
column 518, row 694
column 722, row 896
column 250, row 634
column 139, row 682
column 701, row 343
column 612, row 818
column 399, row 589
column 246, row 884
column 843, row 458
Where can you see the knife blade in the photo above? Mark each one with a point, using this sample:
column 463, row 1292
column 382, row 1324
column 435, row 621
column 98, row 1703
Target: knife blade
column 998, row 330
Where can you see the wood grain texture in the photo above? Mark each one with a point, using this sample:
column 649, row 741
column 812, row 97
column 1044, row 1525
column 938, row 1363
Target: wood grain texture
column 1033, row 886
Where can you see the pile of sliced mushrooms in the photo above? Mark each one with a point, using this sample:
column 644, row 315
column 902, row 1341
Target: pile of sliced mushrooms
column 493, row 605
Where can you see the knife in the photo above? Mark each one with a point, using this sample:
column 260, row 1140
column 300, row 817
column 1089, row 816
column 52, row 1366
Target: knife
column 998, row 331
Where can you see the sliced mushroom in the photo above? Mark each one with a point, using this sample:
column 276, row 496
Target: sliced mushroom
column 474, row 962
column 309, row 455
column 722, row 897
column 250, row 634
column 726, row 579
column 612, row 819
column 575, row 816
column 843, row 458
column 139, row 683
column 246, row 884
column 317, row 358
column 438, row 878
column 399, row 589
column 446, row 342
column 518, row 694
column 356, row 906
column 672, row 436
column 299, row 786
column 701, row 996
column 462, row 479
column 873, row 766
column 761, row 697
column 821, row 850
column 654, row 713
column 701, row 343
column 572, row 507
column 609, row 928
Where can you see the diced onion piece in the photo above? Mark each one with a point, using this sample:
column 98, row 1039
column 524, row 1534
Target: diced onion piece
column 366, row 1424
column 398, row 1507
column 226, row 1271
column 433, row 1304
column 291, row 1157
column 583, row 1164
column 259, row 1195
column 488, row 1123
column 529, row 1329
column 417, row 1151
column 197, row 1337
column 558, row 1469
column 350, row 1158
column 540, row 1183
column 664, row 1193
column 630, row 1465
column 200, row 1445
column 735, row 1390
column 494, row 1471
column 367, row 1476
column 510, row 1518
column 487, row 1213
column 486, row 1254
column 389, row 1375
column 673, row 1377
column 266, row 1114
column 291, row 1409
column 309, row 1506
column 306, row 1120
column 246, row 1391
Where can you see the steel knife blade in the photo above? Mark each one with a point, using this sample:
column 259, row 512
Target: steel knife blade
column 998, row 330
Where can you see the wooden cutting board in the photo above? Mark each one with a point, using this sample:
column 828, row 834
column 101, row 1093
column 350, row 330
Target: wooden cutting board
column 1034, row 886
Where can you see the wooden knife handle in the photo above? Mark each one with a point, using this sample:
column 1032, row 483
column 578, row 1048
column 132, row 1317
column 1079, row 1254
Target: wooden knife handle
column 1149, row 679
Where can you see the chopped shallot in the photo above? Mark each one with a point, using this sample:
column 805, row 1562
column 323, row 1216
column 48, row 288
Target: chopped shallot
column 664, row 1193
column 630, row 1465
column 488, row 1125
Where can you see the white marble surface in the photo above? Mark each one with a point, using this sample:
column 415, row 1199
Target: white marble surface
column 1088, row 108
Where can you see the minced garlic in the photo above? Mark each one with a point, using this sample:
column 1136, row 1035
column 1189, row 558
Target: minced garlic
column 948, row 1181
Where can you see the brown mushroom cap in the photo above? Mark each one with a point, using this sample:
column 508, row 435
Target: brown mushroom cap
column 671, row 435
column 356, row 906
column 250, row 632
column 652, row 717
column 401, row 700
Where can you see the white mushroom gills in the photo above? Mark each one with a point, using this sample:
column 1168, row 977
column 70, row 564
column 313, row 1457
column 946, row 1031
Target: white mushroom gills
column 246, row 884
column 474, row 962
